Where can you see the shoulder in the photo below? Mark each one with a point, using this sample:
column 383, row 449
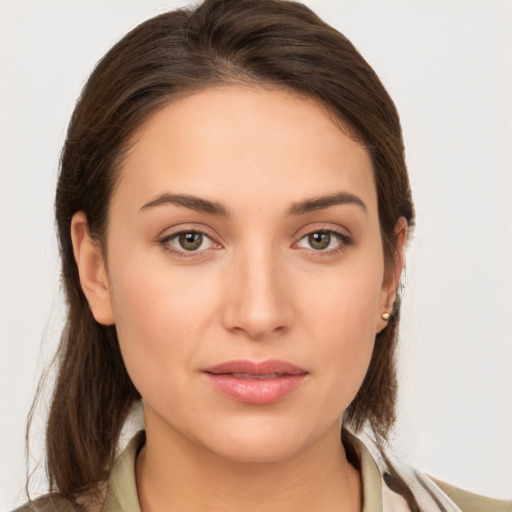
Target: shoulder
column 471, row 502
column 120, row 493
column 390, row 484
column 50, row 503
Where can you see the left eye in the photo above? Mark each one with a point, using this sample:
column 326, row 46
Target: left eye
column 321, row 240
column 189, row 241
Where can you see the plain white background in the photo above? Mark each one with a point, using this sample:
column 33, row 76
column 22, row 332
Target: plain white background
column 447, row 65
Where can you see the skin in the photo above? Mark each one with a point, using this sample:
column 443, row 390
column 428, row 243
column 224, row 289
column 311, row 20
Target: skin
column 257, row 289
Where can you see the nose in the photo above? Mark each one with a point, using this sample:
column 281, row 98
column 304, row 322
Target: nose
column 259, row 299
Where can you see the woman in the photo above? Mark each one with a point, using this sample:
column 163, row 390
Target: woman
column 233, row 207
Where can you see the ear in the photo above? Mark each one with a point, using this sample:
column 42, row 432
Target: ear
column 91, row 269
column 392, row 275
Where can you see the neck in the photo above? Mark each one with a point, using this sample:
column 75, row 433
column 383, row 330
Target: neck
column 175, row 474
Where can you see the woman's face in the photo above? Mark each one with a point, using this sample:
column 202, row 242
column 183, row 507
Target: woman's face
column 245, row 272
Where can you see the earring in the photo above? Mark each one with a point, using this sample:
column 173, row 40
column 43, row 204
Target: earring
column 386, row 316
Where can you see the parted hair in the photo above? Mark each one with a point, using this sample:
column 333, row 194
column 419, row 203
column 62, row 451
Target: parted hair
column 271, row 43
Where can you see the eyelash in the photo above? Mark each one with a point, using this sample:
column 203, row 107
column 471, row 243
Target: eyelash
column 165, row 243
column 344, row 241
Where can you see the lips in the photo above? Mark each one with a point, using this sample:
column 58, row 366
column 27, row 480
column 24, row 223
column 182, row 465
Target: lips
column 256, row 383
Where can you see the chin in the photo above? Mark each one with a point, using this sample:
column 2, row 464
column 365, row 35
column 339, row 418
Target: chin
column 253, row 452
column 263, row 443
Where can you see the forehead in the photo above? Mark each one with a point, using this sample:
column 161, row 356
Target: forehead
column 242, row 143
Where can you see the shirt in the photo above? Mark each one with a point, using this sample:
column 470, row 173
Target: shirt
column 388, row 485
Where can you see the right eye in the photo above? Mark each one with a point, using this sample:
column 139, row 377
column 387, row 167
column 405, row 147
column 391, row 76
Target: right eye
column 187, row 242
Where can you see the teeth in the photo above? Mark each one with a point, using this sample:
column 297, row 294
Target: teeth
column 257, row 377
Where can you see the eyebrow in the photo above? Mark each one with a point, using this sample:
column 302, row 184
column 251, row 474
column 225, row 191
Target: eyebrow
column 322, row 202
column 214, row 208
column 191, row 202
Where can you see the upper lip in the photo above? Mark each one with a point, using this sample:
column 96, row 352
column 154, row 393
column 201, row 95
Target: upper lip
column 267, row 367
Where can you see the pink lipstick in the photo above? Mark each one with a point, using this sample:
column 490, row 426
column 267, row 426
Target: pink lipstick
column 255, row 383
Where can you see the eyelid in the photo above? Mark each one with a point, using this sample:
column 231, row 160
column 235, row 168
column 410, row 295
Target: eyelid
column 164, row 241
column 314, row 226
column 344, row 239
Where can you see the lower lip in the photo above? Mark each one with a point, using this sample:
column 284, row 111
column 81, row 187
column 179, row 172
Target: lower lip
column 256, row 391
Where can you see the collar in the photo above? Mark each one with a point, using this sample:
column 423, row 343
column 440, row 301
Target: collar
column 388, row 485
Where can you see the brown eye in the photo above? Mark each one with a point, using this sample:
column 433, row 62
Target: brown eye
column 190, row 241
column 319, row 240
column 324, row 241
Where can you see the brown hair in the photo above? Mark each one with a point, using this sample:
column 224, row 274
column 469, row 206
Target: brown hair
column 269, row 42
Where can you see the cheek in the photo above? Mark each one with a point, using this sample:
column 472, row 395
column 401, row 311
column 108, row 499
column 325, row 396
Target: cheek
column 150, row 295
column 341, row 317
column 347, row 299
column 160, row 316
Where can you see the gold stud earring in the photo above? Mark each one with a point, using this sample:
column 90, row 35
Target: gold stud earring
column 386, row 316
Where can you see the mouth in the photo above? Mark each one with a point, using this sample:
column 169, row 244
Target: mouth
column 256, row 383
column 238, row 375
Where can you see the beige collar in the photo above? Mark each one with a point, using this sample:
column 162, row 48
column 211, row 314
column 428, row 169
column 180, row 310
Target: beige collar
column 381, row 485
